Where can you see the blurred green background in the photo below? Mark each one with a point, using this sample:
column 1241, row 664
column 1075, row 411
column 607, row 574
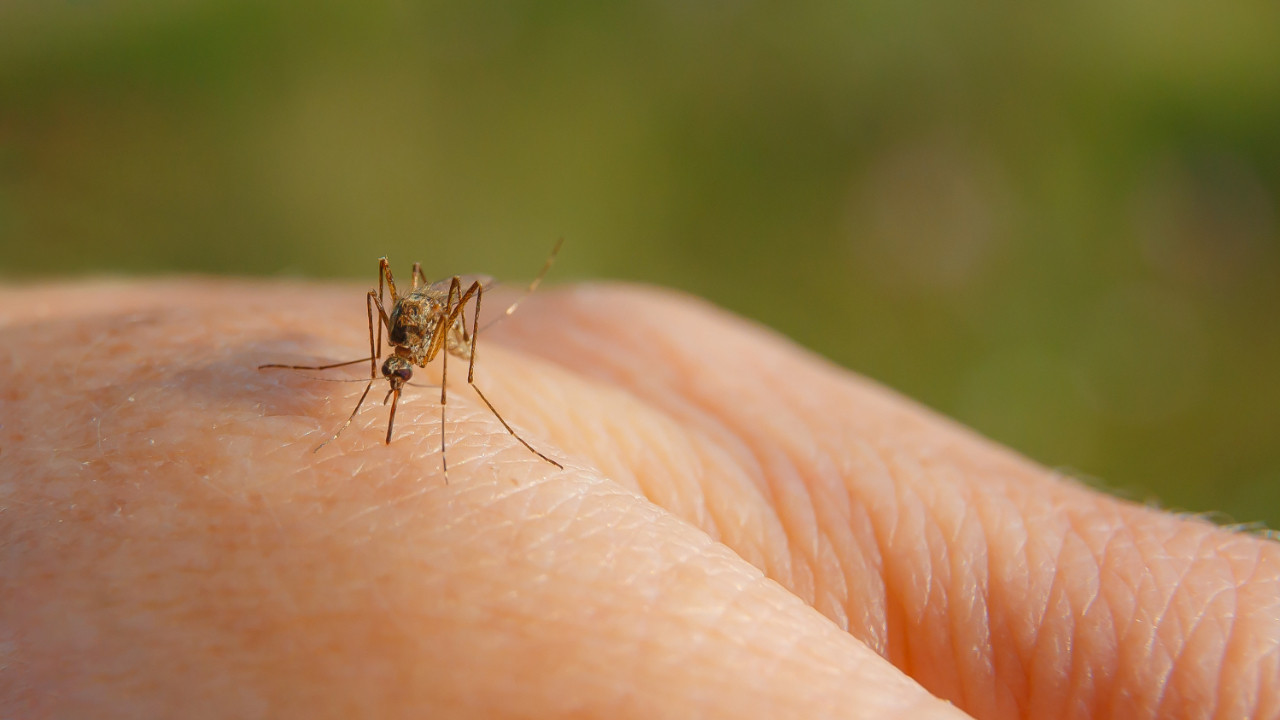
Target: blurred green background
column 1056, row 221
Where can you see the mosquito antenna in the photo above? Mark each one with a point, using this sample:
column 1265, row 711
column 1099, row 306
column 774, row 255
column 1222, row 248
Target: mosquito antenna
column 537, row 280
column 546, row 266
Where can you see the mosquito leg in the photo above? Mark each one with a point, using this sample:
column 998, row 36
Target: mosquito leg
column 478, row 291
column 350, row 417
column 463, row 297
column 514, row 434
column 385, row 320
column 374, row 354
column 419, row 275
column 439, row 338
column 453, row 312
column 375, row 349
column 460, row 310
column 455, row 289
column 475, row 331
column 384, row 273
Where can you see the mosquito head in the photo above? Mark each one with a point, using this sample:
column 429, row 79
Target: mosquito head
column 397, row 371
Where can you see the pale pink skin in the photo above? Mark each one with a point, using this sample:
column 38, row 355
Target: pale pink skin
column 742, row 530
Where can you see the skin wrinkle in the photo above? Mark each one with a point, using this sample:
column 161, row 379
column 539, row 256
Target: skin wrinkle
column 845, row 545
column 805, row 552
column 894, row 526
column 822, row 494
column 768, row 629
column 971, row 620
column 1186, row 658
column 1179, row 551
column 645, row 432
column 865, row 570
column 1239, row 644
column 713, row 511
column 833, row 594
column 614, row 363
column 1092, row 679
column 911, row 585
column 1119, row 565
column 879, row 501
column 1010, row 661
column 1046, row 649
column 767, row 615
column 963, row 556
column 1052, row 647
column 1069, row 495
column 819, row 508
column 1192, row 597
column 1117, row 603
column 1135, row 631
column 1168, row 639
column 737, row 480
column 1234, row 643
column 1080, row 562
column 1271, row 670
column 1181, row 632
column 794, row 493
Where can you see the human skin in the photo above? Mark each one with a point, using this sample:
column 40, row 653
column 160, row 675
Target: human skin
column 740, row 530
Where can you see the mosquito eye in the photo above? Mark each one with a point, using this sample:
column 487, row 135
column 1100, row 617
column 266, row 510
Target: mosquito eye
column 397, row 369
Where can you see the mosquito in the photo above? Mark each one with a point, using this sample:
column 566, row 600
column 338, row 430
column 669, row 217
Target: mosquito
column 429, row 321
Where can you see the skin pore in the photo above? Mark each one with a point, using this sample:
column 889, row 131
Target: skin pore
column 740, row 530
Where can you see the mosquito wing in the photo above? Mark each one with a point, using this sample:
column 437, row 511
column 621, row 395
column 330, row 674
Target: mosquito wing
column 442, row 286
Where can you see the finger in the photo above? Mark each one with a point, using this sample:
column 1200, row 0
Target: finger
column 998, row 585
column 172, row 549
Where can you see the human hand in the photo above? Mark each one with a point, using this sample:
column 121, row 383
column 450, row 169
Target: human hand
column 740, row 530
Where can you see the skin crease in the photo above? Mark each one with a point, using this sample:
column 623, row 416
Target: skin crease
column 741, row 530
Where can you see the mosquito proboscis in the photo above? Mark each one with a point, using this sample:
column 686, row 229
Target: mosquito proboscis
column 428, row 321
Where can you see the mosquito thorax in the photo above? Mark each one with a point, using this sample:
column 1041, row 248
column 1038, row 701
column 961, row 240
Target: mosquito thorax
column 411, row 320
column 397, row 370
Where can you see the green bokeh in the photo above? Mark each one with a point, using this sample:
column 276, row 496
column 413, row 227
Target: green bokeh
column 1056, row 222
